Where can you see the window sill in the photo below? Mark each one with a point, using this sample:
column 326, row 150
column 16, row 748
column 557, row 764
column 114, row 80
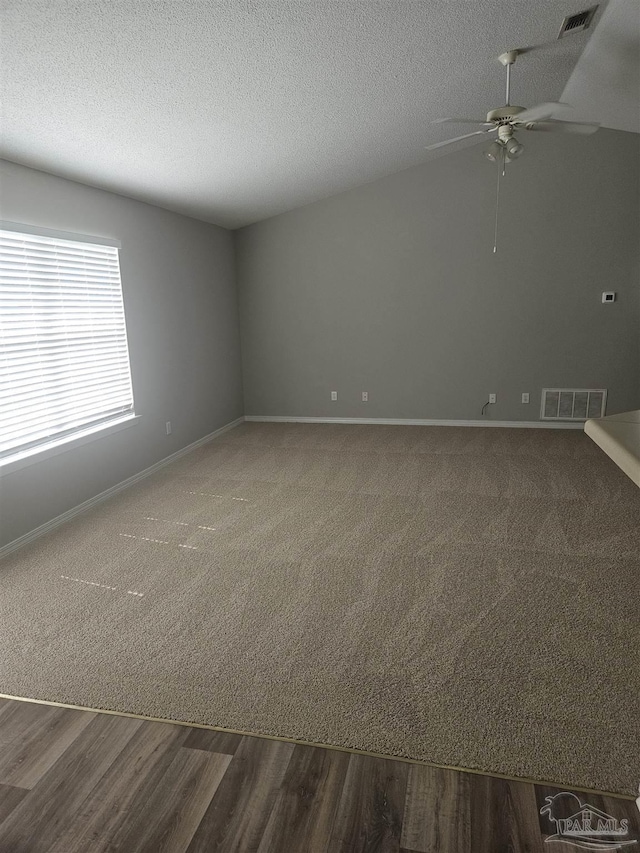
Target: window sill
column 61, row 445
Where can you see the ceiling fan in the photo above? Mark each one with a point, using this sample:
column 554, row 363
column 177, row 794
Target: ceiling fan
column 506, row 120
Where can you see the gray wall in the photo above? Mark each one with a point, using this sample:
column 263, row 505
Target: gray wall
column 393, row 288
column 178, row 281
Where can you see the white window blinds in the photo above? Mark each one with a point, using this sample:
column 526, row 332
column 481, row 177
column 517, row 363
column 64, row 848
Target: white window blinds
column 64, row 360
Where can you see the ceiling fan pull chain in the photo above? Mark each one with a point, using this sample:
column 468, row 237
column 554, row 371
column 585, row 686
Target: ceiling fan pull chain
column 495, row 230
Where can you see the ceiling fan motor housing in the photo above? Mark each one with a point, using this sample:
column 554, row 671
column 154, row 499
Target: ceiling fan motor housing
column 504, row 114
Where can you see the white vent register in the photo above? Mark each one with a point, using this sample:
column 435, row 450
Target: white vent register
column 572, row 404
column 577, row 22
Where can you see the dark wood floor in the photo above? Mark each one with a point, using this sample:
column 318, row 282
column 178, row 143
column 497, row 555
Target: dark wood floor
column 75, row 781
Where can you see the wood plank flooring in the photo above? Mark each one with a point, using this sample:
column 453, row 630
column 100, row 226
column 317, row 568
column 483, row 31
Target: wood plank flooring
column 74, row 781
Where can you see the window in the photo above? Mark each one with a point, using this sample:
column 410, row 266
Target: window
column 64, row 359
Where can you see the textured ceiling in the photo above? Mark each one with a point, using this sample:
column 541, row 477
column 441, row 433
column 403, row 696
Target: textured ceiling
column 232, row 111
column 605, row 84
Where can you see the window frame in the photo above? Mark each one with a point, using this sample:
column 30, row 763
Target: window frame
column 83, row 434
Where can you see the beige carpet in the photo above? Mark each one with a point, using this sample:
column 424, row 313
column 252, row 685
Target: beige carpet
column 465, row 596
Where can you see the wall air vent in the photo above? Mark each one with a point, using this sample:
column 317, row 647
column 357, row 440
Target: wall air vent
column 578, row 22
column 572, row 404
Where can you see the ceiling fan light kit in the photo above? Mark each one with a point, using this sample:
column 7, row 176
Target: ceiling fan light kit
column 493, row 150
column 514, row 148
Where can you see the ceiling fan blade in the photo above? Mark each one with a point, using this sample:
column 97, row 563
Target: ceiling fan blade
column 462, row 121
column 530, row 48
column 540, row 112
column 458, row 138
column 582, row 127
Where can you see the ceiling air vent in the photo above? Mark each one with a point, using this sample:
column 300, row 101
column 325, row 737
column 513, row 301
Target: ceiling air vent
column 578, row 22
column 572, row 404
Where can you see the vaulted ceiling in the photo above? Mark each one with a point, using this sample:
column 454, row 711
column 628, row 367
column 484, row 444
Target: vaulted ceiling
column 234, row 110
column 605, row 84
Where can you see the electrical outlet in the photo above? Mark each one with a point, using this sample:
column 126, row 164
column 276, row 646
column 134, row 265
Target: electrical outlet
column 365, row 396
column 492, row 398
column 334, row 395
column 525, row 397
column 168, row 427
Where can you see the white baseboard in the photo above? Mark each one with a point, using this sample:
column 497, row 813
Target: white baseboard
column 83, row 507
column 415, row 422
